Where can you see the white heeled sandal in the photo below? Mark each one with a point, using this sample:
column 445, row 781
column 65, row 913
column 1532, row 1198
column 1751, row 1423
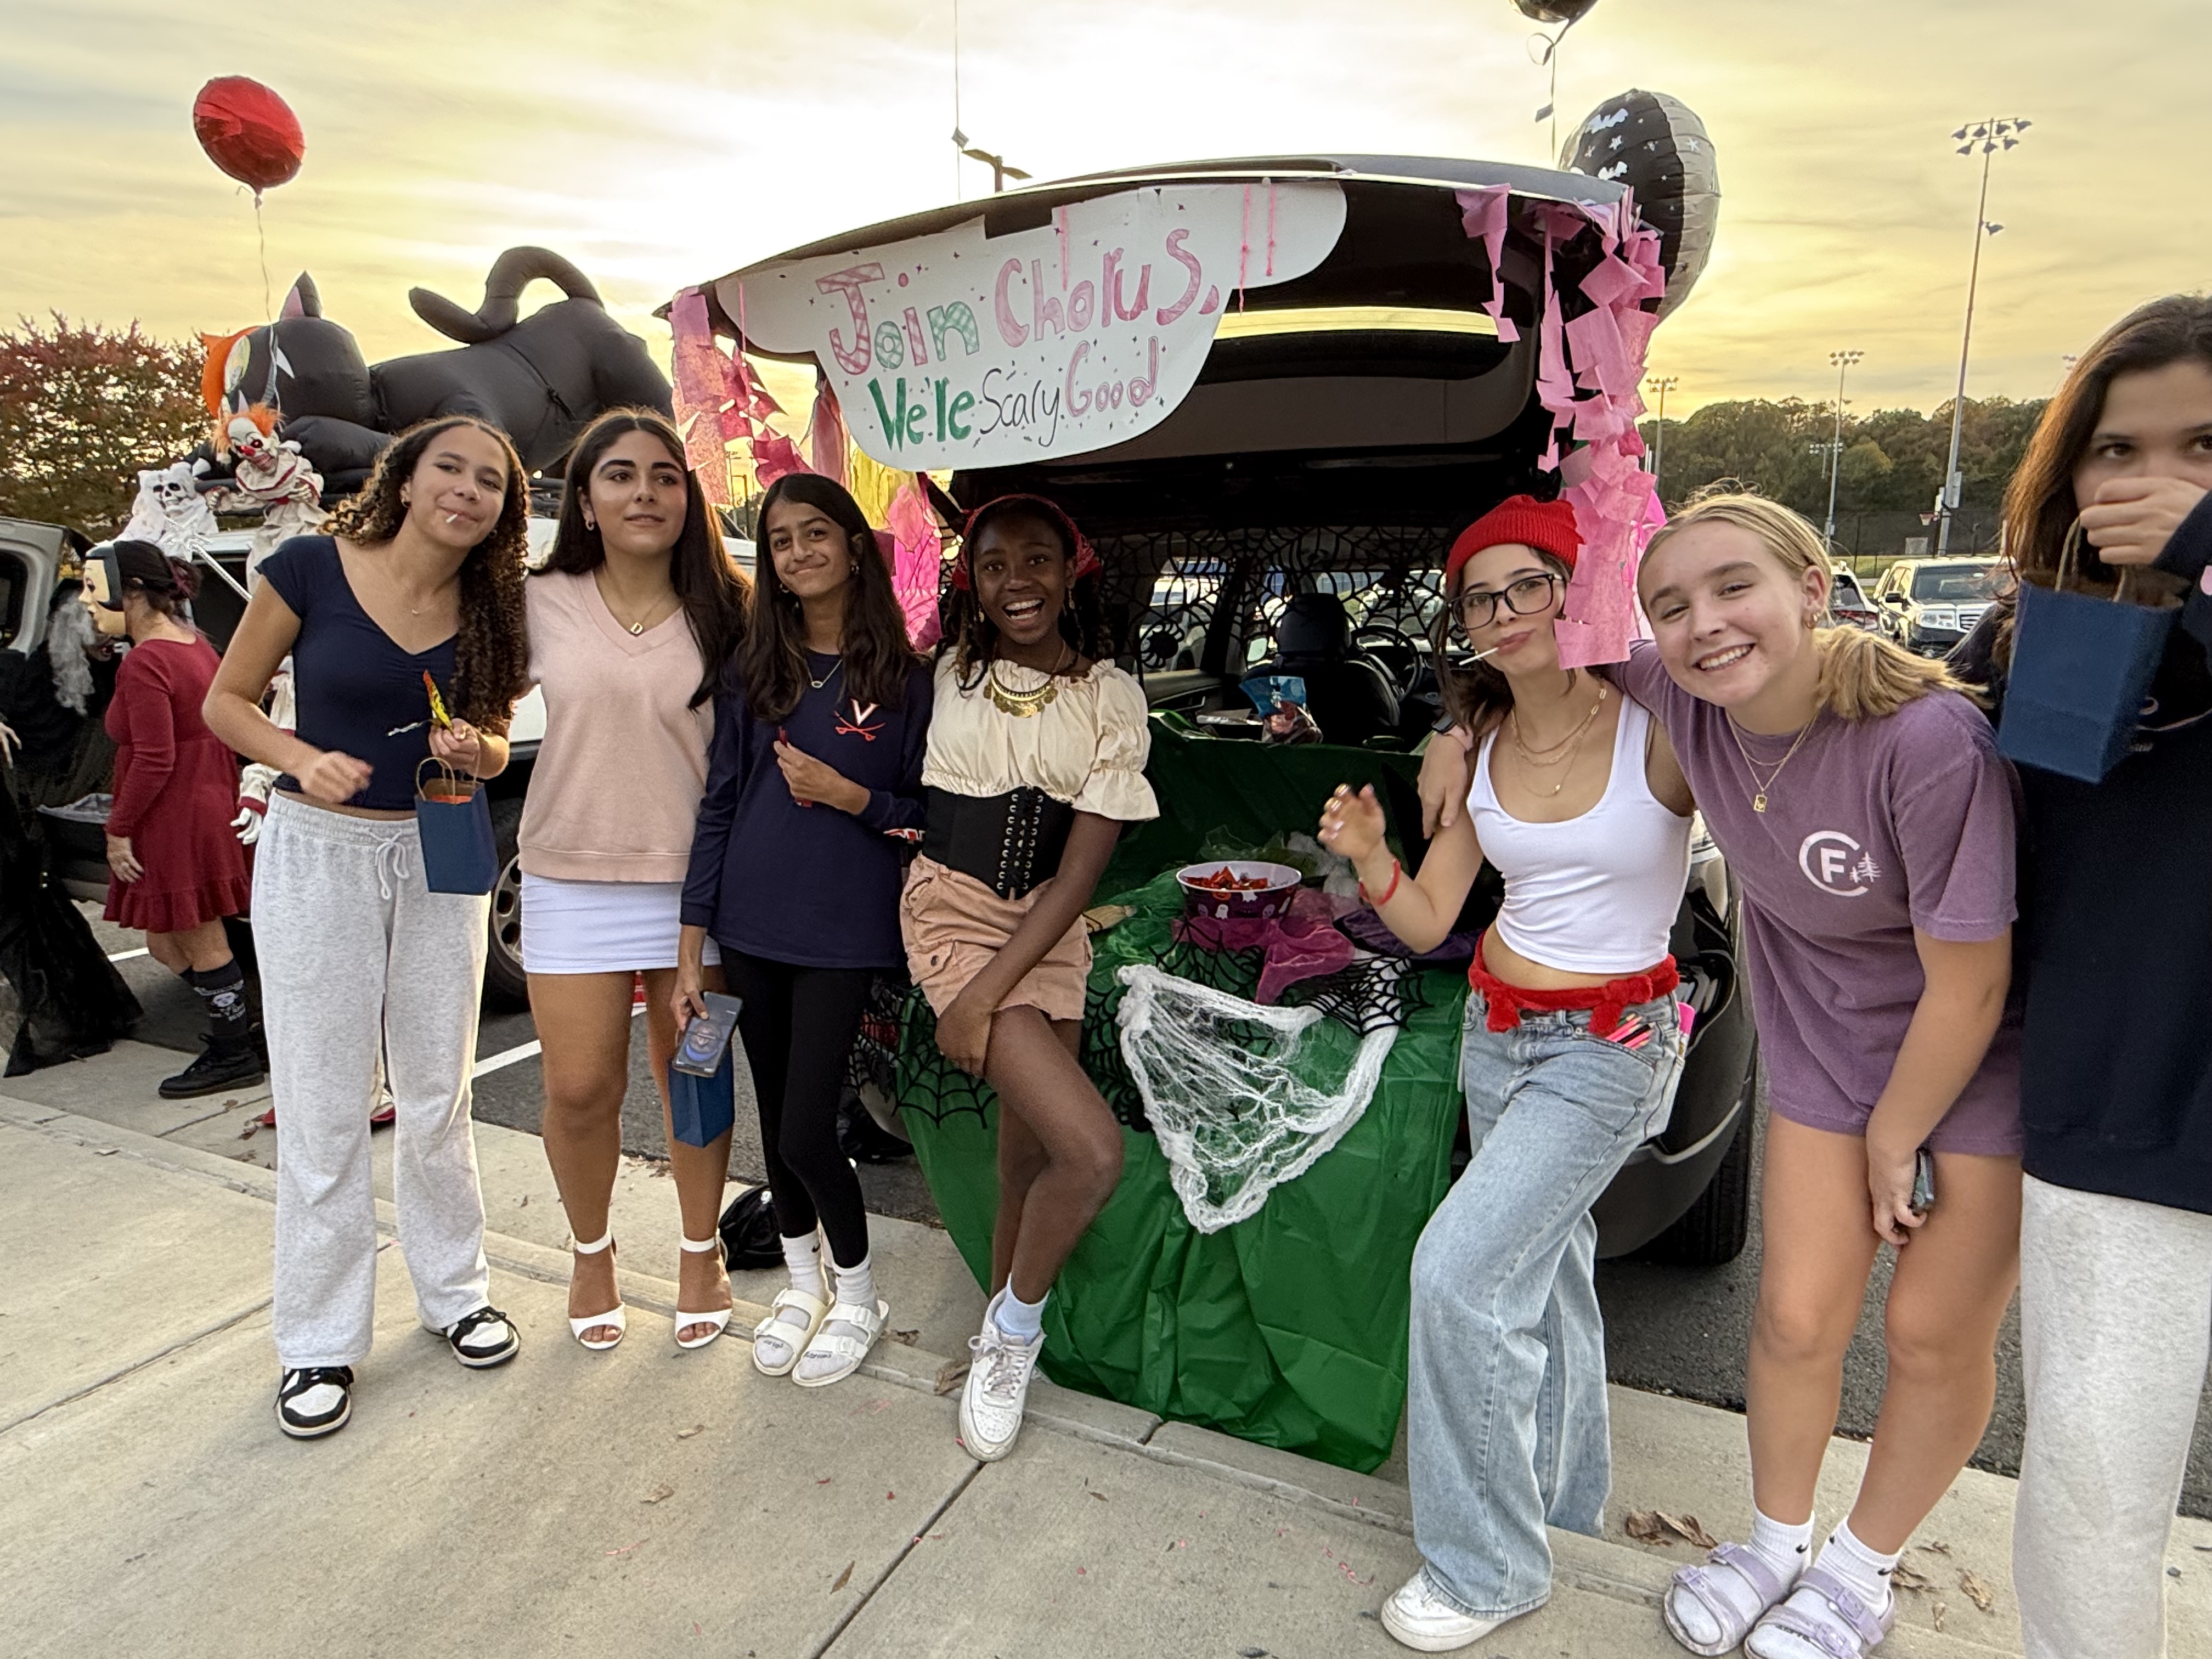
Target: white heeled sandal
column 616, row 1318
column 687, row 1317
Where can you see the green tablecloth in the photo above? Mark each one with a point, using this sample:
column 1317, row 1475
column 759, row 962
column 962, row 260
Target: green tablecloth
column 1288, row 1328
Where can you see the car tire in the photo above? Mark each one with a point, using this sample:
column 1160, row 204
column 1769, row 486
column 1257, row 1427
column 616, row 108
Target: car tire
column 1714, row 1230
column 506, row 989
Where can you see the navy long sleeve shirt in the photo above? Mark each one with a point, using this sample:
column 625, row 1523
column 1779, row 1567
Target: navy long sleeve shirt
column 809, row 885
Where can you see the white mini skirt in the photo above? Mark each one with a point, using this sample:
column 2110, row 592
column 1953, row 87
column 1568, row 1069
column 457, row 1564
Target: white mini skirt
column 601, row 926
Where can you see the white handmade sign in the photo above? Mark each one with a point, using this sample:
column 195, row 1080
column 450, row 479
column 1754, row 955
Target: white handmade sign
column 956, row 350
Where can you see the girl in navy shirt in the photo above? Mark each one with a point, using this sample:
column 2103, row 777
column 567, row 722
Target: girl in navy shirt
column 814, row 778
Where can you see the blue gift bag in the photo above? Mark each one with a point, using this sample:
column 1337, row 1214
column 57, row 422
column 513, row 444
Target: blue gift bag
column 2080, row 669
column 702, row 1109
column 454, row 819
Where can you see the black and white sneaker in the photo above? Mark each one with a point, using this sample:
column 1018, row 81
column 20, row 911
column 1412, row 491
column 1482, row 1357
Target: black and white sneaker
column 483, row 1338
column 314, row 1400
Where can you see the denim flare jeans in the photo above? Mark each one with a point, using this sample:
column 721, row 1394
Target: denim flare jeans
column 1506, row 1410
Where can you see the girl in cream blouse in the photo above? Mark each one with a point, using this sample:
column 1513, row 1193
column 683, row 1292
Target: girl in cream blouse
column 1037, row 753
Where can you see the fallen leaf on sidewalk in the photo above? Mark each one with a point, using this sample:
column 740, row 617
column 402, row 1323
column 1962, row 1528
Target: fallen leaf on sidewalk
column 1977, row 1591
column 1906, row 1578
column 522, row 1203
column 1936, row 1549
column 950, row 1375
column 657, row 1494
column 108, row 1152
column 844, row 1577
column 1642, row 1525
column 1252, row 1653
column 250, row 1130
column 1689, row 1529
column 910, row 1337
column 1100, row 1496
column 1940, row 1611
column 697, row 1428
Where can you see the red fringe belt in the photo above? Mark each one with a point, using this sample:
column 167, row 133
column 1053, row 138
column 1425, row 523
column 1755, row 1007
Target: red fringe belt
column 1507, row 1003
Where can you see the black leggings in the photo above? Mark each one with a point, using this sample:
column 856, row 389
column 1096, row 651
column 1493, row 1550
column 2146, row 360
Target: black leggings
column 798, row 1024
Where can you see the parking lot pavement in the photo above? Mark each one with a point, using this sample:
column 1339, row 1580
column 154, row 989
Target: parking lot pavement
column 1669, row 1330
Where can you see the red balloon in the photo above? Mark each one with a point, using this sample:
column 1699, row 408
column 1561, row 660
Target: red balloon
column 248, row 132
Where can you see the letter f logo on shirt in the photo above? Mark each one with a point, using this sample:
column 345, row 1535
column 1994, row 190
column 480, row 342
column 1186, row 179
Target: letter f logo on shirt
column 1826, row 857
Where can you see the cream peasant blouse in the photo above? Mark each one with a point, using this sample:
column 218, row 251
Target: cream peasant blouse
column 1086, row 747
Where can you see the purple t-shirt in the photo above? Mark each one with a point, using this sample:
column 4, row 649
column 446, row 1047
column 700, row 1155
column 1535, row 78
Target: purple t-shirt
column 1876, row 828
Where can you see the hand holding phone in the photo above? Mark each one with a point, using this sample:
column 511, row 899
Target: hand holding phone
column 705, row 1037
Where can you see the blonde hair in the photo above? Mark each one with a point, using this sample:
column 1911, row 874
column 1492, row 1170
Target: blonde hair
column 1863, row 674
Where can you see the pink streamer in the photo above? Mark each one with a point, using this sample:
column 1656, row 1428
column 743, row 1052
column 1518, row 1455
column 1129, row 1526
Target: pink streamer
column 1483, row 216
column 917, row 563
column 826, row 438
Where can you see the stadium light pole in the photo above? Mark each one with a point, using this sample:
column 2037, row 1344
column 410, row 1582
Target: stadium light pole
column 1842, row 361
column 1990, row 136
column 1662, row 384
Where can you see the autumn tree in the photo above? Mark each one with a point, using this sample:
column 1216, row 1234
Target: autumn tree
column 82, row 408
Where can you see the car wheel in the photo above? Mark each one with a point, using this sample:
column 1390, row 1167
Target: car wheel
column 1713, row 1230
column 506, row 987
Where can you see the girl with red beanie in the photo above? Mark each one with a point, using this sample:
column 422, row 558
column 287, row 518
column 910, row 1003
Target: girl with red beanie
column 1572, row 1050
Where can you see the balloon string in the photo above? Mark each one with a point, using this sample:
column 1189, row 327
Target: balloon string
column 261, row 235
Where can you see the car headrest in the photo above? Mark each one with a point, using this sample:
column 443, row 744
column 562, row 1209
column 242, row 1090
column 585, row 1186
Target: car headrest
column 1314, row 625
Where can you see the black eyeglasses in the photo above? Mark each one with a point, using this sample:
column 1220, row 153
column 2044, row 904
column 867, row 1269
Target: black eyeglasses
column 1478, row 606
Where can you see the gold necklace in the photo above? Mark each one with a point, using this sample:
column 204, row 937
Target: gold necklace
column 1020, row 704
column 818, row 684
column 639, row 626
column 1762, row 786
column 1571, row 743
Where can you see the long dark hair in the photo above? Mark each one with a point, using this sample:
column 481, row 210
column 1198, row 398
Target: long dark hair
column 491, row 653
column 772, row 660
column 708, row 585
column 973, row 637
column 2040, row 505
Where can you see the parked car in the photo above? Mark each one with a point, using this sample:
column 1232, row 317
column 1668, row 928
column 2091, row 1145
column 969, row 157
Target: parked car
column 1334, row 455
column 1848, row 602
column 1929, row 605
column 31, row 558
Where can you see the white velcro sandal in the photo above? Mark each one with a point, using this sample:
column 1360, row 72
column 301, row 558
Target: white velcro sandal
column 793, row 1334
column 687, row 1317
column 616, row 1318
column 835, row 1342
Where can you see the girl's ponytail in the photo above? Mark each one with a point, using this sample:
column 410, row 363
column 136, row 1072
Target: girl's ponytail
column 1863, row 674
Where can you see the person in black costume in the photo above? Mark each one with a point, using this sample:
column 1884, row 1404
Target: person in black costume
column 52, row 751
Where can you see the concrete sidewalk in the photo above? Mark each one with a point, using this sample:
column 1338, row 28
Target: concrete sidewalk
column 646, row 1501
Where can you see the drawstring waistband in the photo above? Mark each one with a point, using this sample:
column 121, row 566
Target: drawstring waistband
column 1507, row 1003
column 393, row 852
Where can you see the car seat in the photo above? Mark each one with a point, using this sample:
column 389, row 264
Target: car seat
column 1347, row 693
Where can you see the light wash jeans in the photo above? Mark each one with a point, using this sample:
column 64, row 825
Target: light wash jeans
column 1506, row 1410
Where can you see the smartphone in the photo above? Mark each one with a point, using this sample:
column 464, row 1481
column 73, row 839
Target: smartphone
column 706, row 1037
column 1924, row 1182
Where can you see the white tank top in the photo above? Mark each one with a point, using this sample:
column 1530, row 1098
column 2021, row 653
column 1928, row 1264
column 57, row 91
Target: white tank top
column 1596, row 894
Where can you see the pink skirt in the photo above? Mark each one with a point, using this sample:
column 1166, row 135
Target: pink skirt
column 954, row 925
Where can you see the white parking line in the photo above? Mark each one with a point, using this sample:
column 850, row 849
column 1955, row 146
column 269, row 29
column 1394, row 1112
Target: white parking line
column 125, row 956
column 508, row 1057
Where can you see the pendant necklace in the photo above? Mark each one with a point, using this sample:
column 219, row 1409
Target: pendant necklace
column 1021, row 704
column 1762, row 786
column 1570, row 744
column 816, row 684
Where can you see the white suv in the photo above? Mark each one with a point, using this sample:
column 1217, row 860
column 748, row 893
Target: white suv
column 1929, row 605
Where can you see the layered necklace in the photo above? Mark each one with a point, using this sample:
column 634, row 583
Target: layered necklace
column 1561, row 753
column 1023, row 704
column 1762, row 786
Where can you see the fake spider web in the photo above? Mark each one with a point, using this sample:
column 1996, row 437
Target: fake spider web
column 1228, row 1087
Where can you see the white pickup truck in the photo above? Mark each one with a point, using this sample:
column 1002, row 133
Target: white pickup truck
column 32, row 556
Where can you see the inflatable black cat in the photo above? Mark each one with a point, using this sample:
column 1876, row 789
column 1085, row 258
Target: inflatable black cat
column 540, row 379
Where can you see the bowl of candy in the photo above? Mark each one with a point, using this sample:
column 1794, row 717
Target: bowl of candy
column 1238, row 891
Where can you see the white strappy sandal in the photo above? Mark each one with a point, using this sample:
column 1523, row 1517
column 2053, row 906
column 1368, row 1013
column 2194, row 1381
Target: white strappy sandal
column 687, row 1317
column 847, row 1351
column 616, row 1318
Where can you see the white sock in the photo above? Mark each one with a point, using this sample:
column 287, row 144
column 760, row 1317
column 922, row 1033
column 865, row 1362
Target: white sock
column 1023, row 1320
column 1782, row 1547
column 856, row 1285
column 1786, row 1547
column 803, row 1255
column 1861, row 1566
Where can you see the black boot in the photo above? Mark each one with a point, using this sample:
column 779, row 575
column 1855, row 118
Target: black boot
column 226, row 1063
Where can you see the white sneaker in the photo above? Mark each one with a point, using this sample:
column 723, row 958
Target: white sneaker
column 998, row 1371
column 1423, row 1620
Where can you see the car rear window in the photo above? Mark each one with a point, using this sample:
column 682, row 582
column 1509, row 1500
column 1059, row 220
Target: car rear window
column 1954, row 583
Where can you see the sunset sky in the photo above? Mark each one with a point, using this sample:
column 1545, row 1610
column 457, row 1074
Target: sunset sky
column 665, row 145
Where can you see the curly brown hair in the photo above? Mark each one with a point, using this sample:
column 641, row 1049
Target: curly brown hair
column 491, row 653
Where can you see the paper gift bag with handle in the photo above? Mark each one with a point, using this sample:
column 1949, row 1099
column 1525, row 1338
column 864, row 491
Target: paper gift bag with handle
column 702, row 1108
column 453, row 818
column 2081, row 668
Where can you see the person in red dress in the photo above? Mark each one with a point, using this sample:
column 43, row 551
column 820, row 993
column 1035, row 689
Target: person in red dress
column 178, row 867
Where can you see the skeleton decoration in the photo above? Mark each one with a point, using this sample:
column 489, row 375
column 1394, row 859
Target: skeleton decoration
column 268, row 474
column 171, row 514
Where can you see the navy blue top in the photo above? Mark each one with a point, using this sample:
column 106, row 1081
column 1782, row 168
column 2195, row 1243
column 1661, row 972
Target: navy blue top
column 809, row 885
column 358, row 692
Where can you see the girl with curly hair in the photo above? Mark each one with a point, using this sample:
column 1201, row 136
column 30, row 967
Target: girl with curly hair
column 1038, row 745
column 420, row 578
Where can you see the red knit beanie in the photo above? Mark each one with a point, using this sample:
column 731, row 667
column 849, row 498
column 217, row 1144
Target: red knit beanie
column 1547, row 526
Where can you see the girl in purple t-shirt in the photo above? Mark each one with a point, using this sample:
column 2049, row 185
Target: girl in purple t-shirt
column 1863, row 809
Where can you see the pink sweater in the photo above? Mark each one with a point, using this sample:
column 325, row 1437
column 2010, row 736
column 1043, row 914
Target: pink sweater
column 615, row 792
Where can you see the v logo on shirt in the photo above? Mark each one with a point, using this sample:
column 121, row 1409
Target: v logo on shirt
column 857, row 727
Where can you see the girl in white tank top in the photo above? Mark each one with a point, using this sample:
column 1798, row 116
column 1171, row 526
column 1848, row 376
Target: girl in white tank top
column 1573, row 1046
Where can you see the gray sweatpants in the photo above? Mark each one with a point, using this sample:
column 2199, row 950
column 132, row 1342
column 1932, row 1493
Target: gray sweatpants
column 2116, row 1313
column 357, row 953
